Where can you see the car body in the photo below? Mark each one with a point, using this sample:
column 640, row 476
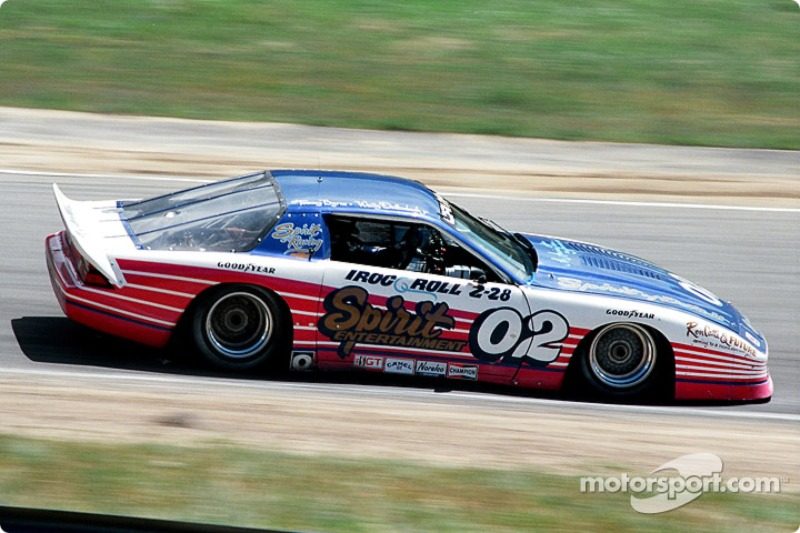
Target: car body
column 341, row 270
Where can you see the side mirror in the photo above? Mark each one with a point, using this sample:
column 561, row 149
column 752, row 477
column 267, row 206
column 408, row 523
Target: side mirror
column 478, row 275
column 466, row 272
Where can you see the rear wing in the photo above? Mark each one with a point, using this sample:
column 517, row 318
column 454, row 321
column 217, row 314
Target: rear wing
column 84, row 224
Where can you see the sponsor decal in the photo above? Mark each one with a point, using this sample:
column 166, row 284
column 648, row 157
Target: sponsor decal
column 558, row 252
column 573, row 284
column 350, row 319
column 717, row 338
column 504, row 334
column 246, row 267
column 445, row 210
column 492, row 293
column 380, row 205
column 398, row 366
column 430, row 287
column 630, row 314
column 462, row 371
column 369, row 362
column 303, row 238
column 431, row 368
column 752, row 338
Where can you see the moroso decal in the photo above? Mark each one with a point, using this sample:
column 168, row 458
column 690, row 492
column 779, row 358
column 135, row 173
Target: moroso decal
column 349, row 319
column 500, row 334
column 298, row 239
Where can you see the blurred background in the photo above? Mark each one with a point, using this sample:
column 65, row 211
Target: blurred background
column 717, row 73
column 159, row 440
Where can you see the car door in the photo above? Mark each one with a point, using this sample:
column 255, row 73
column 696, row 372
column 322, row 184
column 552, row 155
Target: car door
column 386, row 312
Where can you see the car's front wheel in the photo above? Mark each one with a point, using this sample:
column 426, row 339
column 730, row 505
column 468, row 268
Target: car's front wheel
column 623, row 361
column 240, row 328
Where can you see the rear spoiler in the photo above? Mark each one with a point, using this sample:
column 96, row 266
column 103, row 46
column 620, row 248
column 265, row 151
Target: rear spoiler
column 82, row 224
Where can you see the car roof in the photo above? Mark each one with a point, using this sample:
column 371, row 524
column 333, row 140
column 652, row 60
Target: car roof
column 356, row 192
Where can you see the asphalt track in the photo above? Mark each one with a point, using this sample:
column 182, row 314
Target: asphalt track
column 749, row 255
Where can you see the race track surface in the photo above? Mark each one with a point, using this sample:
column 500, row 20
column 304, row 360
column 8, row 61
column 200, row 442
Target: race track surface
column 748, row 254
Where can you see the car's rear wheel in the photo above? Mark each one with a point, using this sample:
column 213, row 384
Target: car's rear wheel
column 623, row 361
column 240, row 328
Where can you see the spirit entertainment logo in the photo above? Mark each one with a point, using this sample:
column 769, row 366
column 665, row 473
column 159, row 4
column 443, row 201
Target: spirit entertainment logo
column 351, row 319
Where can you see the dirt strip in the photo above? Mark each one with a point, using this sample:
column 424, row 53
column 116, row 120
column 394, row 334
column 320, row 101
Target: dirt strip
column 90, row 143
column 558, row 440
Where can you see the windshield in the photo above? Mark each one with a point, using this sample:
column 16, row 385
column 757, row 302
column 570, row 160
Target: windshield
column 501, row 246
column 228, row 216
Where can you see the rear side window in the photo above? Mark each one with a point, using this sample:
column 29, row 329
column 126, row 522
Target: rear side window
column 227, row 216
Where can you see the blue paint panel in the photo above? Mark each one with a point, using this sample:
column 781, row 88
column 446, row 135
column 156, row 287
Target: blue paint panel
column 331, row 191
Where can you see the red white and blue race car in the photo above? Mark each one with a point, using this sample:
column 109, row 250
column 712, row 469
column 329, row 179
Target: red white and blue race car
column 339, row 270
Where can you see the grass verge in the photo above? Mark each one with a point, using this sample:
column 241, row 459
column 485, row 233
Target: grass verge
column 684, row 72
column 247, row 487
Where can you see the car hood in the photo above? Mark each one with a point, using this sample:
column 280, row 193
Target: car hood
column 589, row 268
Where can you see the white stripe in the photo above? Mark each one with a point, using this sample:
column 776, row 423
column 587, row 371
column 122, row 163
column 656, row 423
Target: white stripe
column 160, row 290
column 729, row 358
column 307, row 313
column 114, row 309
column 306, row 328
column 407, row 394
column 697, row 360
column 558, row 363
column 298, row 296
column 723, row 370
column 725, row 376
column 665, row 205
column 97, row 291
column 60, row 284
column 170, row 276
column 129, row 299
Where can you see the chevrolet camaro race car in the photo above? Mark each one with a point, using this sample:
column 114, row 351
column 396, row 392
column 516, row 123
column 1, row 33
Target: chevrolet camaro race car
column 338, row 270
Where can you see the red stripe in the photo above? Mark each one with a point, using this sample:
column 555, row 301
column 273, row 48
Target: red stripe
column 691, row 390
column 189, row 287
column 106, row 298
column 171, row 300
column 681, row 347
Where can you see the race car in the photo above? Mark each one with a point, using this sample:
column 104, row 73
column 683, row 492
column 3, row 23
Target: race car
column 329, row 270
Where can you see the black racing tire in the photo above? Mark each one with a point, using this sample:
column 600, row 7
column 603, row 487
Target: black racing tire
column 241, row 327
column 623, row 361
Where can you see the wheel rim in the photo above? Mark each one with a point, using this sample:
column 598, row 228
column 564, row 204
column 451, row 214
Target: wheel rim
column 239, row 325
column 622, row 356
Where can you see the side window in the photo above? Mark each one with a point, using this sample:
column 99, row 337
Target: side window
column 402, row 246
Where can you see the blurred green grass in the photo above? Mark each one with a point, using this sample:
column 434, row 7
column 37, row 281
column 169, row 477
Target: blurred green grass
column 222, row 484
column 722, row 73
